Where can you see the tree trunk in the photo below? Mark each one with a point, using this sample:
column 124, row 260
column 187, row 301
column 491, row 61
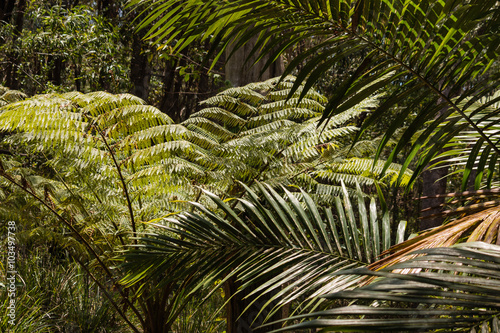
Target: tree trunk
column 140, row 70
column 54, row 75
column 434, row 182
column 251, row 318
column 6, row 10
column 240, row 71
column 173, row 102
column 107, row 8
column 78, row 79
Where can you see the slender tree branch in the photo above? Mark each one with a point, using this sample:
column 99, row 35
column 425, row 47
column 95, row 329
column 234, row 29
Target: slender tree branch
column 110, row 298
column 78, row 234
column 82, row 206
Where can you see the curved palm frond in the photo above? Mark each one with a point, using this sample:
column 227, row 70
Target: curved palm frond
column 433, row 51
column 454, row 288
column 293, row 245
column 466, row 152
column 266, row 135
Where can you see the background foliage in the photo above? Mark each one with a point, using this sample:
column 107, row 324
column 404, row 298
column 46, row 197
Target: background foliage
column 126, row 124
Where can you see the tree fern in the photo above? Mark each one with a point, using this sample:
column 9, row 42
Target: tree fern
column 113, row 165
column 8, row 96
column 100, row 145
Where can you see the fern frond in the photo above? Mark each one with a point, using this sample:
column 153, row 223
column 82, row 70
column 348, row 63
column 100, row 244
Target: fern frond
column 221, row 133
column 279, row 124
column 231, row 104
column 299, row 114
column 367, row 171
column 153, row 135
column 152, row 154
column 246, row 94
column 221, row 116
column 292, row 103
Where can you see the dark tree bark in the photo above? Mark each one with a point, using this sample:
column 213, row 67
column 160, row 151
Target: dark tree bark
column 172, row 102
column 140, row 69
column 168, row 82
column 104, row 80
column 434, row 182
column 240, row 71
column 78, row 80
column 55, row 74
column 107, row 8
column 6, row 10
column 18, row 25
column 251, row 318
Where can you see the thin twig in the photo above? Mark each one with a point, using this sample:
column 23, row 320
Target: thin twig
column 110, row 298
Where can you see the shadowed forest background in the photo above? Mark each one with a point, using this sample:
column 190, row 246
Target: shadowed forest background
column 250, row 166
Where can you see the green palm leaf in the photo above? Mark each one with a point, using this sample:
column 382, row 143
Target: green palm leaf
column 453, row 288
column 480, row 226
column 467, row 153
column 293, row 245
column 430, row 50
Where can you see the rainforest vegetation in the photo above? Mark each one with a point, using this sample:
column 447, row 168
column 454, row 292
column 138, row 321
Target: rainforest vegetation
column 249, row 166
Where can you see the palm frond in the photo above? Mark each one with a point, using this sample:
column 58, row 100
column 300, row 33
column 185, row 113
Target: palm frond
column 466, row 152
column 453, row 288
column 481, row 226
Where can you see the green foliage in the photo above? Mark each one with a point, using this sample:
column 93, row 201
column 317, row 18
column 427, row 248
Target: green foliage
column 466, row 151
column 105, row 165
column 53, row 294
column 9, row 96
column 109, row 166
column 277, row 139
column 63, row 49
column 29, row 314
column 436, row 53
column 200, row 319
column 270, row 243
column 458, row 290
column 435, row 58
column 251, row 133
